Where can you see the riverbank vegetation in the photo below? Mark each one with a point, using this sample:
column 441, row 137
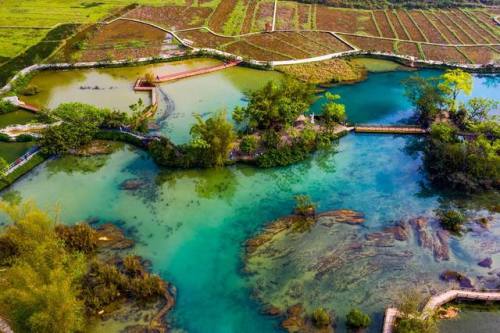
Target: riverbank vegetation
column 273, row 131
column 329, row 71
column 54, row 281
column 461, row 151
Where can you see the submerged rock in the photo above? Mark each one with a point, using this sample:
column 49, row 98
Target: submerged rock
column 400, row 231
column 112, row 237
column 342, row 216
column 452, row 276
column 486, row 262
column 132, row 184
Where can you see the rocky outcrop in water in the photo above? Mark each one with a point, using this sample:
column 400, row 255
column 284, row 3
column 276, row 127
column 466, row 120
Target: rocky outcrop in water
column 111, row 237
column 486, row 262
column 432, row 238
column 452, row 276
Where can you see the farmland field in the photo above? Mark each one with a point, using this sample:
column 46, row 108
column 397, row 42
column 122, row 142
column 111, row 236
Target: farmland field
column 383, row 24
column 377, row 30
column 287, row 16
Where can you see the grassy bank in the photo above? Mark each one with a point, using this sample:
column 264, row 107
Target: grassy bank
column 329, row 71
column 22, row 170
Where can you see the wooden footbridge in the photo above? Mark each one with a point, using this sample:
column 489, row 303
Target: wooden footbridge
column 391, row 314
column 194, row 72
column 390, row 129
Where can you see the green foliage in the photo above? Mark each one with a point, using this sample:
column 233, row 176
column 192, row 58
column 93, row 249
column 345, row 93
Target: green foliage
column 443, row 132
column 276, row 105
column 465, row 165
column 453, row 82
column 426, row 96
column 66, row 137
column 39, row 291
column 358, row 319
column 167, row 154
column 321, row 318
column 478, row 108
column 6, row 107
column 3, row 167
column 304, row 205
column 80, row 125
column 332, row 112
column 25, row 138
column 451, row 220
column 106, row 283
column 79, row 237
column 248, row 144
column 5, row 137
column 281, row 156
column 212, row 139
column 415, row 325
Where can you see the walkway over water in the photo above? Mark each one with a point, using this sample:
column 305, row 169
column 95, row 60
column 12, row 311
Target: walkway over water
column 390, row 129
column 194, row 72
column 391, row 314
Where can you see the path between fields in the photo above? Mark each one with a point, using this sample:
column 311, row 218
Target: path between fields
column 335, row 33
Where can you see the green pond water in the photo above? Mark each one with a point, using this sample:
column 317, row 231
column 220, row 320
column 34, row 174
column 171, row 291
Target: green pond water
column 471, row 320
column 193, row 224
column 18, row 117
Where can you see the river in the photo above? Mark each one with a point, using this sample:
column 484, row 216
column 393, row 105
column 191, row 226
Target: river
column 192, row 224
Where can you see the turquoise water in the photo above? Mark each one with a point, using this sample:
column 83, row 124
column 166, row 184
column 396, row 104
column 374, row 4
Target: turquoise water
column 193, row 224
column 380, row 99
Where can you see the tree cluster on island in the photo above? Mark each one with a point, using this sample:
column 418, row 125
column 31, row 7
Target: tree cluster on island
column 462, row 151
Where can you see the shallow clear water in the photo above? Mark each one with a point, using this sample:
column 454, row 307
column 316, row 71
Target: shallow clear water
column 193, row 224
column 380, row 99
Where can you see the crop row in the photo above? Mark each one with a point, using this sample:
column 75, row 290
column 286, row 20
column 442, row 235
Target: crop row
column 173, row 17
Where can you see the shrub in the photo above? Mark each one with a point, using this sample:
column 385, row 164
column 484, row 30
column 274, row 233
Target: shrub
column 357, row 319
column 6, row 106
column 321, row 318
column 25, row 138
column 80, row 237
column 415, row 325
column 304, row 205
column 248, row 144
column 451, row 220
column 4, row 137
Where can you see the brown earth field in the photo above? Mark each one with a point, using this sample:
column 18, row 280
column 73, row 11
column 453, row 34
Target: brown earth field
column 308, row 31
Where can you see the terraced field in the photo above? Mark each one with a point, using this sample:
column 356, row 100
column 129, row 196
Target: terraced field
column 255, row 29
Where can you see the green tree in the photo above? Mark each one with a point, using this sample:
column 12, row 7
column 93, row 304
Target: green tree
column 478, row 108
column 63, row 138
column 321, row 318
column 248, row 144
column 357, row 319
column 212, row 139
column 426, row 96
column 454, row 82
column 276, row 105
column 304, row 205
column 451, row 220
column 333, row 112
column 39, row 291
